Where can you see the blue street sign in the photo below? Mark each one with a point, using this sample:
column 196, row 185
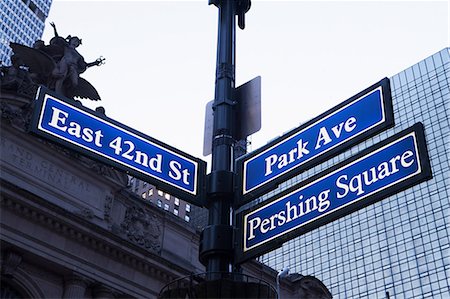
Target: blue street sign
column 104, row 139
column 382, row 170
column 354, row 120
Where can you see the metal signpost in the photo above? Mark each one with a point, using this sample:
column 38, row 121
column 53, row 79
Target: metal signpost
column 375, row 173
column 113, row 143
column 216, row 248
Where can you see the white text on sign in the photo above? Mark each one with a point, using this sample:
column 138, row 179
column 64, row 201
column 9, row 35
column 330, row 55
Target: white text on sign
column 324, row 137
column 62, row 121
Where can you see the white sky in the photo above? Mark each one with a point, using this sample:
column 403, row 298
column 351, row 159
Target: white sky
column 311, row 55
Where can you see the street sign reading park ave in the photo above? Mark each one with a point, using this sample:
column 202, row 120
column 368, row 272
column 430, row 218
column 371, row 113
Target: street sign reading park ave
column 101, row 138
column 377, row 172
column 352, row 121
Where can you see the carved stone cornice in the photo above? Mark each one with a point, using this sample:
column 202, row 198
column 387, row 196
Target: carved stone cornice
column 85, row 213
column 98, row 239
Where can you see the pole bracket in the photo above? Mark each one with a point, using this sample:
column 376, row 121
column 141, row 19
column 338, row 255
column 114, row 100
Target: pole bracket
column 216, row 239
column 225, row 70
column 223, row 139
column 220, row 182
column 223, row 101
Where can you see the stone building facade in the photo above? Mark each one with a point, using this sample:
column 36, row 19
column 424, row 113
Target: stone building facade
column 70, row 228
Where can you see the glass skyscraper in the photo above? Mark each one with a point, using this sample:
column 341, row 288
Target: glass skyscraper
column 398, row 247
column 22, row 21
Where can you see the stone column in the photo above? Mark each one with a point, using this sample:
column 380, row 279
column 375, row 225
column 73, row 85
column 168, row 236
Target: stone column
column 74, row 286
column 102, row 292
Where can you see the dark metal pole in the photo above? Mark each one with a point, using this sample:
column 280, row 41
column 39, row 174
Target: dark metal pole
column 216, row 247
column 217, row 237
column 224, row 102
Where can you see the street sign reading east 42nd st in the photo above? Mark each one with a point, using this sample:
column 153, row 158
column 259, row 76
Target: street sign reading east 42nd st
column 379, row 171
column 113, row 143
column 352, row 121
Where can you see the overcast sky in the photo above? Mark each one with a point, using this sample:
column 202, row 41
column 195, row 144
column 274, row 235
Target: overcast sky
column 311, row 55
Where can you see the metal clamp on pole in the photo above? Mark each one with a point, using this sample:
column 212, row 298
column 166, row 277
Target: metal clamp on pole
column 216, row 239
column 223, row 139
column 220, row 182
column 225, row 70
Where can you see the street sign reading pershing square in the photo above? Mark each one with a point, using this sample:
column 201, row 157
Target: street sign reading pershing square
column 354, row 120
column 104, row 139
column 379, row 171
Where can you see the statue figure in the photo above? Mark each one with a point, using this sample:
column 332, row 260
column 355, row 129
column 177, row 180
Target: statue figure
column 57, row 66
column 71, row 64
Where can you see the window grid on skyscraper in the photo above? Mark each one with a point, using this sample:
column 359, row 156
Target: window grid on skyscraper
column 398, row 245
column 21, row 22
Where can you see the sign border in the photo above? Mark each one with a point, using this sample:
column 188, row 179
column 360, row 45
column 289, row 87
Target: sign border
column 197, row 197
column 243, row 198
column 378, row 195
